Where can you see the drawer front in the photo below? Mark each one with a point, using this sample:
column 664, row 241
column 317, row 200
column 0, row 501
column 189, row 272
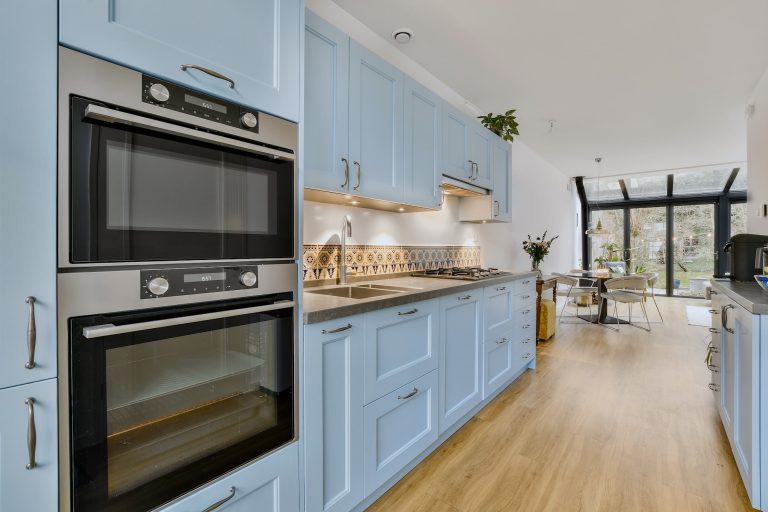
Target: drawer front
column 525, row 299
column 526, row 315
column 525, row 285
column 499, row 360
column 499, row 309
column 525, row 351
column 398, row 427
column 401, row 345
column 269, row 485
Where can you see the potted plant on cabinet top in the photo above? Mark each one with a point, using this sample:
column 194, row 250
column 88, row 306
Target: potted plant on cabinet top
column 504, row 125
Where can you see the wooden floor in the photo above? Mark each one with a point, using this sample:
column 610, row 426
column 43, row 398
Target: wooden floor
column 609, row 421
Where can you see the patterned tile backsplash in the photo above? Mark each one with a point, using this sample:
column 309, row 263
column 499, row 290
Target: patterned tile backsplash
column 322, row 261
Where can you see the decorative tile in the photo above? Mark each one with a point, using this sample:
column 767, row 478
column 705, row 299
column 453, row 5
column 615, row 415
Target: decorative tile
column 321, row 261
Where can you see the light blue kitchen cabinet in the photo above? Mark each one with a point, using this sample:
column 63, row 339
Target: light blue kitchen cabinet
column 499, row 363
column 333, row 414
column 398, row 427
column 326, row 106
column 499, row 309
column 28, row 193
column 270, row 484
column 256, row 44
column 501, row 164
column 422, row 146
column 401, row 344
column 455, row 151
column 480, row 142
column 29, row 409
column 375, row 125
column 461, row 323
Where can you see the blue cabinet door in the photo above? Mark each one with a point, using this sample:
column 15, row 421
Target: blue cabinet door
column 270, row 484
column 499, row 360
column 333, row 415
column 326, row 106
column 502, row 180
column 255, row 43
column 455, row 150
column 375, row 126
column 28, row 191
column 480, row 142
column 422, row 146
column 460, row 356
column 33, row 488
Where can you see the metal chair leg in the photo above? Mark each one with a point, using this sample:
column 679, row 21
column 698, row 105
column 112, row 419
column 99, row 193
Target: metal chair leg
column 653, row 296
column 645, row 312
column 565, row 303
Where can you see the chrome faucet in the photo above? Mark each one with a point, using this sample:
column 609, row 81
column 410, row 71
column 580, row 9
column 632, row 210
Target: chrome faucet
column 346, row 230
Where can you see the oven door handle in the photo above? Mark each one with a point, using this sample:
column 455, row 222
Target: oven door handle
column 110, row 115
column 98, row 331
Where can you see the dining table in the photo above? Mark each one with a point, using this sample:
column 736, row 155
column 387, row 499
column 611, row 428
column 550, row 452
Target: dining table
column 599, row 277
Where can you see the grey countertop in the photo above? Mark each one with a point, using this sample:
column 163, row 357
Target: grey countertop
column 320, row 308
column 748, row 295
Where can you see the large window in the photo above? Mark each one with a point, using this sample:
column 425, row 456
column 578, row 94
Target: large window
column 672, row 224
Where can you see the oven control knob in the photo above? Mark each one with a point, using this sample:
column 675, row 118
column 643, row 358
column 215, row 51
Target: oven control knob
column 158, row 286
column 248, row 278
column 159, row 92
column 249, row 120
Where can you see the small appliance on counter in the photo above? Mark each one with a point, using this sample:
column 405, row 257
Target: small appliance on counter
column 744, row 265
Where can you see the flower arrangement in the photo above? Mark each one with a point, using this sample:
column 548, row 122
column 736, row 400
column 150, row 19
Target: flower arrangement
column 537, row 249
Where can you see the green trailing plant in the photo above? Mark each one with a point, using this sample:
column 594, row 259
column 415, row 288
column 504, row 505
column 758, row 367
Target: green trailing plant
column 504, row 125
column 613, row 250
column 639, row 269
column 600, row 262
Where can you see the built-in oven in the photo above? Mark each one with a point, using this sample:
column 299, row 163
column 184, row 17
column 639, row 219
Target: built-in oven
column 176, row 377
column 150, row 171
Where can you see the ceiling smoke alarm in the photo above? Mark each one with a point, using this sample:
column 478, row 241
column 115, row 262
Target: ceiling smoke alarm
column 402, row 35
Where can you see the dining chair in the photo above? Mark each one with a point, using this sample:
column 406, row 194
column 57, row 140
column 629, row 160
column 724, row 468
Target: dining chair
column 652, row 278
column 572, row 289
column 625, row 290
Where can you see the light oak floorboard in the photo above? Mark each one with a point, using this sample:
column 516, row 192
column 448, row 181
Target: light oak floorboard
column 607, row 422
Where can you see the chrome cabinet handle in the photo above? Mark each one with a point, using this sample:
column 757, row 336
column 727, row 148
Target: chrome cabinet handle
column 496, row 208
column 501, row 288
column 526, row 356
column 527, row 326
column 527, row 281
column 714, row 387
column 713, row 330
column 411, row 312
column 471, row 169
column 357, row 164
column 340, row 329
column 525, row 297
column 409, row 395
column 31, row 432
column 713, row 368
column 714, row 311
column 222, row 501
column 526, row 311
column 211, row 72
column 465, row 297
column 501, row 341
column 31, row 334
column 346, row 173
column 724, row 319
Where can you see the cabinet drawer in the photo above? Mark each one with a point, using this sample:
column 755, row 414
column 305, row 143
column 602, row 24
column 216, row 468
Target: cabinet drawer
column 499, row 309
column 525, row 299
column 400, row 345
column 525, row 315
column 525, row 351
column 525, row 285
column 498, row 360
column 269, row 485
column 398, row 427
column 526, row 331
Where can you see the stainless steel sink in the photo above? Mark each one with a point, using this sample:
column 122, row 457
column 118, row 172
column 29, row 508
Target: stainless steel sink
column 355, row 292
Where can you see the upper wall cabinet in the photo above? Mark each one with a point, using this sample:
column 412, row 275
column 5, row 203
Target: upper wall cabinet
column 422, row 145
column 254, row 44
column 456, row 161
column 480, row 141
column 375, row 125
column 326, row 106
column 28, row 194
column 501, row 160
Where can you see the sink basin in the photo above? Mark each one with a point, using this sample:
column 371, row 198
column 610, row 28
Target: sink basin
column 388, row 287
column 355, row 292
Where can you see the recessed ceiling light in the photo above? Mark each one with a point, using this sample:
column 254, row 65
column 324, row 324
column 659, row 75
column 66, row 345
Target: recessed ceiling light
column 402, row 35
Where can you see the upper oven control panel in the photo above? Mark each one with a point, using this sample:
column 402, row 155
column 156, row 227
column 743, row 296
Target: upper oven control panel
column 169, row 282
column 168, row 95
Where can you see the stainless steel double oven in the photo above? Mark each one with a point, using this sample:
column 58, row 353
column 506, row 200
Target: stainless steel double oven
column 177, row 286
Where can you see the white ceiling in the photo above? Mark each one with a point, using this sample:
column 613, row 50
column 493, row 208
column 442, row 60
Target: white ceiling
column 648, row 85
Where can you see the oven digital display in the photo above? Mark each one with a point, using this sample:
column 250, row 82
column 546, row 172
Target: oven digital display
column 205, row 103
column 204, row 278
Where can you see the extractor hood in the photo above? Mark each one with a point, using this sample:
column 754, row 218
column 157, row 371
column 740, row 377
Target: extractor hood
column 458, row 188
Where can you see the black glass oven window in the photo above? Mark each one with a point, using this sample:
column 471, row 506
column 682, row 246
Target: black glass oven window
column 140, row 195
column 157, row 413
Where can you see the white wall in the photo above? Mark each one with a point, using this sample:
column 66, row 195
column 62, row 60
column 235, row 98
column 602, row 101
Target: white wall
column 757, row 158
column 540, row 196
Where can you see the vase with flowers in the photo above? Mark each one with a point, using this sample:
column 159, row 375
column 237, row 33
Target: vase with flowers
column 537, row 249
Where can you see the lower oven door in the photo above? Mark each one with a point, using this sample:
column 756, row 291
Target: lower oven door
column 165, row 400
